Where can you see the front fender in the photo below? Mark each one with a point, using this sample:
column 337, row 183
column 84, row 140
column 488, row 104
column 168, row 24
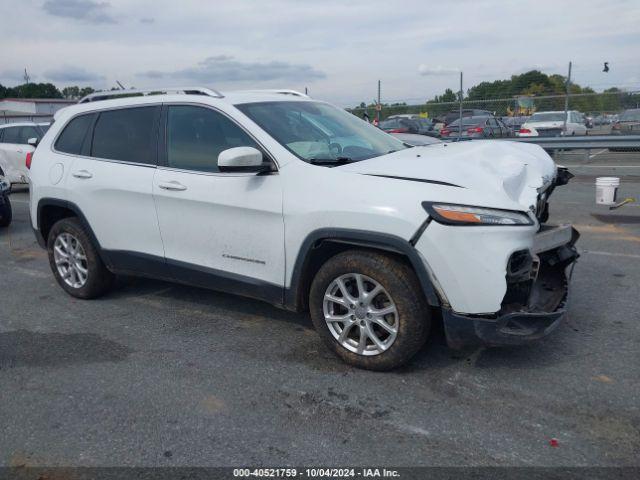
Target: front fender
column 357, row 238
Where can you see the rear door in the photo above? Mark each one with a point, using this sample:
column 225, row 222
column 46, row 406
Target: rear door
column 111, row 181
column 220, row 229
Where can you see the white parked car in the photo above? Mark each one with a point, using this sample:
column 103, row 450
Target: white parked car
column 5, row 203
column 551, row 124
column 279, row 197
column 14, row 148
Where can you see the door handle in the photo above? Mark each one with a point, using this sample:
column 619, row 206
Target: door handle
column 82, row 174
column 173, row 185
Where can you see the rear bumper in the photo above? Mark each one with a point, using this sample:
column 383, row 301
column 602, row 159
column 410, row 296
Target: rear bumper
column 535, row 303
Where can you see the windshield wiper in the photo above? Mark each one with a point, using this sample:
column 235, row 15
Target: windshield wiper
column 331, row 161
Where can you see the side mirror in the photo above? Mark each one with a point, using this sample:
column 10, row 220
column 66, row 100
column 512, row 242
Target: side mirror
column 241, row 159
column 33, row 142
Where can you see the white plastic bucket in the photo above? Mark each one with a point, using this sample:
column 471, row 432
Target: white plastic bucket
column 606, row 190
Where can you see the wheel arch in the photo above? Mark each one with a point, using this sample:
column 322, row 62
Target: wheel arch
column 323, row 244
column 52, row 210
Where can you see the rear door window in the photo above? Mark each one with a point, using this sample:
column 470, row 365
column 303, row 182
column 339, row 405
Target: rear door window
column 74, row 134
column 127, row 135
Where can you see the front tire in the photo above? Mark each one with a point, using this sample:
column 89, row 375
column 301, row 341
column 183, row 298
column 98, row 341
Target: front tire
column 369, row 309
column 75, row 262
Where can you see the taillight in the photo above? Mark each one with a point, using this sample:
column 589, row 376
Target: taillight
column 28, row 160
column 524, row 130
column 475, row 130
column 444, row 131
column 398, row 130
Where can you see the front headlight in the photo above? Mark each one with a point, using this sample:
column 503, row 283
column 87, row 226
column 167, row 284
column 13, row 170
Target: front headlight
column 451, row 214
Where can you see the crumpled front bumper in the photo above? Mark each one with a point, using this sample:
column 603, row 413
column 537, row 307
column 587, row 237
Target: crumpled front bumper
column 536, row 298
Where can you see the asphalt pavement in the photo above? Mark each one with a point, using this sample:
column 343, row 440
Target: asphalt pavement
column 156, row 374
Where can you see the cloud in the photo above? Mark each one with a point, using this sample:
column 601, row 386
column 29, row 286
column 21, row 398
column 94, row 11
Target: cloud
column 148, row 20
column 15, row 75
column 72, row 74
column 83, row 10
column 437, row 70
column 224, row 68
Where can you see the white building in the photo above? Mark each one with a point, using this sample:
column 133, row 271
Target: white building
column 30, row 109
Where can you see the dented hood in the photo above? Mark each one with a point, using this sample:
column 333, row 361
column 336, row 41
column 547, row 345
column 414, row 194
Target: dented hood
column 518, row 170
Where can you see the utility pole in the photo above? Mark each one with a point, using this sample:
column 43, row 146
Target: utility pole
column 26, row 76
column 566, row 101
column 306, row 91
column 460, row 120
column 379, row 106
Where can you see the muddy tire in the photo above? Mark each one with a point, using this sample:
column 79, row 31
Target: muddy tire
column 75, row 262
column 369, row 309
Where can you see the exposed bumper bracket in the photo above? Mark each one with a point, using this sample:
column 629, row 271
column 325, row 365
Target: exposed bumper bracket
column 546, row 303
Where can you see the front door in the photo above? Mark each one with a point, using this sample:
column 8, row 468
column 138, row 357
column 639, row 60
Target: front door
column 220, row 230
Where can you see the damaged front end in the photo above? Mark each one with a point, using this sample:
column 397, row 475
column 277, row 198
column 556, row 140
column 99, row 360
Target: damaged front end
column 536, row 297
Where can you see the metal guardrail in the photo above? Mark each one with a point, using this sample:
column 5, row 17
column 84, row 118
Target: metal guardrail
column 582, row 142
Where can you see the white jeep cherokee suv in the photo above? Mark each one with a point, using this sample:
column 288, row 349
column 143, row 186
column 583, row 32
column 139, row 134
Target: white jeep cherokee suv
column 276, row 196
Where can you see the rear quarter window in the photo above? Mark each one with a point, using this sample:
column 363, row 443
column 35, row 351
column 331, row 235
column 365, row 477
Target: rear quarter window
column 74, row 134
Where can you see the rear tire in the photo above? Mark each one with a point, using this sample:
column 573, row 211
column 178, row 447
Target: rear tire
column 399, row 334
column 6, row 214
column 75, row 261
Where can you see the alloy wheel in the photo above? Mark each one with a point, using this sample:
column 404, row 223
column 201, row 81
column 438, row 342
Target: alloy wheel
column 360, row 314
column 71, row 260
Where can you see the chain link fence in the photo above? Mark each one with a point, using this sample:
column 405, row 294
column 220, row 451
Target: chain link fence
column 600, row 110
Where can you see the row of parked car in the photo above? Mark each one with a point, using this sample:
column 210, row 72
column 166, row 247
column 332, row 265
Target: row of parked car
column 484, row 124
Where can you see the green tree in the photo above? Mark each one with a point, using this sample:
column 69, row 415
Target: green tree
column 71, row 92
column 76, row 92
column 34, row 90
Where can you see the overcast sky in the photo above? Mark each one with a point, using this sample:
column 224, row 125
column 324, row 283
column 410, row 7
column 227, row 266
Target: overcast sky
column 338, row 49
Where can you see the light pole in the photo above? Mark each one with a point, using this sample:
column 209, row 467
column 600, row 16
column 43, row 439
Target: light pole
column 460, row 120
column 566, row 101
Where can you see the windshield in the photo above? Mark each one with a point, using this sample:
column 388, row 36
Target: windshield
column 630, row 116
column 547, row 117
column 317, row 132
